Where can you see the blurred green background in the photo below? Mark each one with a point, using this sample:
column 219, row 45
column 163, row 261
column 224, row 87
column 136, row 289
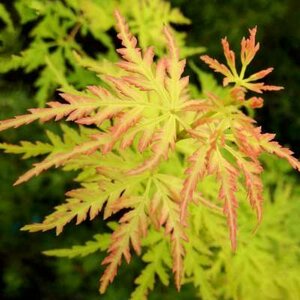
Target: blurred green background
column 24, row 271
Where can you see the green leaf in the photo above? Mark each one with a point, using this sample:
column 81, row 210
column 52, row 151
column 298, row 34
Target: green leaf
column 100, row 243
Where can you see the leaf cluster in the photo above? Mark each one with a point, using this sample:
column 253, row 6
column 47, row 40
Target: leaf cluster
column 64, row 33
column 171, row 168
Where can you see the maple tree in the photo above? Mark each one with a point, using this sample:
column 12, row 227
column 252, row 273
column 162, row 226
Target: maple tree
column 132, row 134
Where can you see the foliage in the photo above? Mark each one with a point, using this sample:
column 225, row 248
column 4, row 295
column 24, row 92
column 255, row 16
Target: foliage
column 281, row 43
column 61, row 29
column 145, row 132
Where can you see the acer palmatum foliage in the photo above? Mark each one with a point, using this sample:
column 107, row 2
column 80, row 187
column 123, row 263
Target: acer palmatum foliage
column 138, row 122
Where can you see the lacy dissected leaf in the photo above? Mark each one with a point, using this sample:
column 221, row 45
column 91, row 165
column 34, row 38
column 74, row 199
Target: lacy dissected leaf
column 251, row 171
column 167, row 211
column 55, row 145
column 81, row 203
column 88, row 200
column 144, row 103
column 28, row 149
column 196, row 260
column 75, row 107
column 147, row 18
column 133, row 227
column 61, row 151
column 194, row 173
column 56, row 27
column 53, row 40
column 265, row 257
column 139, row 132
column 164, row 88
column 229, row 142
column 99, row 243
column 60, row 159
column 248, row 50
column 157, row 263
column 227, row 175
column 233, row 149
column 273, row 147
column 129, row 104
column 242, row 149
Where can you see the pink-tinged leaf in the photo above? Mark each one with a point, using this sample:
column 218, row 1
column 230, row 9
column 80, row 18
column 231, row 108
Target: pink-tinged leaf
column 140, row 66
column 140, row 83
column 148, row 56
column 169, row 216
column 254, row 184
column 133, row 227
column 229, row 54
column 123, row 202
column 161, row 67
column 128, row 66
column 227, row 175
column 129, row 52
column 272, row 88
column 248, row 47
column 275, row 148
column 248, row 51
column 146, row 138
column 175, row 67
column 218, row 67
column 99, row 91
column 194, row 173
column 201, row 105
column 76, row 108
column 124, row 123
column 247, row 137
column 128, row 139
column 19, row 121
column 260, row 87
column 161, row 143
column 61, row 158
column 174, row 84
column 173, row 49
column 125, row 89
column 105, row 114
column 82, row 202
column 227, row 193
column 260, row 75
